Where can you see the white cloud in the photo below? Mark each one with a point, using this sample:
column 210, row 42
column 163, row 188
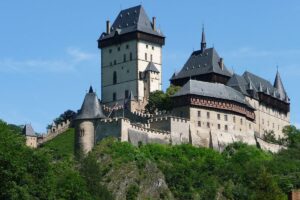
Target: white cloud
column 73, row 57
column 79, row 55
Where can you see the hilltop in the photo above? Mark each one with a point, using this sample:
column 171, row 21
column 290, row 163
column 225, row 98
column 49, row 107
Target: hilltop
column 119, row 170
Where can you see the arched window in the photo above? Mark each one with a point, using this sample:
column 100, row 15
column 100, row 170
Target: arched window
column 115, row 78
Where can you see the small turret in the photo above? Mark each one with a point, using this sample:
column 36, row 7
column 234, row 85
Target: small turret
column 279, row 86
column 84, row 122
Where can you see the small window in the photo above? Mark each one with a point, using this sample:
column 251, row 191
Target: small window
column 110, row 63
column 208, row 115
column 130, row 56
column 110, row 50
column 151, row 57
column 146, row 46
column 114, row 96
column 141, row 75
column 219, row 126
column 126, row 94
column 152, row 47
column 225, row 117
column 127, row 70
column 199, row 113
column 241, row 121
column 146, row 56
column 119, row 48
column 234, row 119
column 208, row 125
column 218, row 116
column 115, row 62
column 124, row 58
column 81, row 132
column 199, row 123
column 115, row 77
column 249, row 125
column 226, row 128
column 127, row 46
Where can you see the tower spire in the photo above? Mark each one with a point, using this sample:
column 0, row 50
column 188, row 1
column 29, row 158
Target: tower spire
column 203, row 40
column 279, row 86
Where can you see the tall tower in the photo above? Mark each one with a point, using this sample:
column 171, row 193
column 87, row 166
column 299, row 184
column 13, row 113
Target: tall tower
column 127, row 49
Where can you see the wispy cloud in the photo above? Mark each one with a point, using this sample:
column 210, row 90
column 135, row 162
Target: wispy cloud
column 72, row 58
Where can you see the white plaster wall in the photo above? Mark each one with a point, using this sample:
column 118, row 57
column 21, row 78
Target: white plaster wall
column 126, row 71
column 31, row 141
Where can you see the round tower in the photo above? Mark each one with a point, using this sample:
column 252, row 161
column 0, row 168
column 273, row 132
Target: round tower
column 85, row 123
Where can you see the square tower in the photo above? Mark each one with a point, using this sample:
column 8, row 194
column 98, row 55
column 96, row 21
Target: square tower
column 128, row 47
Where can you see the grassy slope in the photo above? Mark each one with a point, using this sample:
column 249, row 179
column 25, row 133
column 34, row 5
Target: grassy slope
column 62, row 145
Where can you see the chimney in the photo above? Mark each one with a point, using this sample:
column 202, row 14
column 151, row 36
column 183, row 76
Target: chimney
column 154, row 23
column 221, row 63
column 107, row 27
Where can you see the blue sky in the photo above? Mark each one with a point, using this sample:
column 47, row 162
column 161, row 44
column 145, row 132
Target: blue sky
column 49, row 54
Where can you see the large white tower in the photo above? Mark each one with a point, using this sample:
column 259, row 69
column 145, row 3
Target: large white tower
column 131, row 49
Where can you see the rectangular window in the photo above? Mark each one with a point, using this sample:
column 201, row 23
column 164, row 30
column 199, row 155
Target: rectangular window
column 124, row 58
column 208, row 115
column 151, row 57
column 219, row 116
column 152, row 47
column 199, row 113
column 146, row 56
column 249, row 125
column 219, row 126
column 141, row 75
column 225, row 117
column 114, row 96
column 127, row 46
column 119, row 48
column 241, row 121
column 147, row 46
column 199, row 123
column 115, row 62
column 130, row 56
column 226, row 128
column 110, row 50
column 208, row 125
column 234, row 119
column 126, row 94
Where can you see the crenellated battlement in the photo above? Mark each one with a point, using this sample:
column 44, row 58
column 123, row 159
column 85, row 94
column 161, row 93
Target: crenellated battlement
column 168, row 118
column 149, row 130
column 54, row 130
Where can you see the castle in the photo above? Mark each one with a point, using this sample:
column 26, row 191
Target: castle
column 213, row 107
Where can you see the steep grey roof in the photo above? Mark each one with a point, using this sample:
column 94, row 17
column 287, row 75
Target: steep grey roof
column 279, row 86
column 239, row 83
column 249, row 81
column 202, row 63
column 28, row 130
column 151, row 67
column 131, row 20
column 214, row 90
column 91, row 107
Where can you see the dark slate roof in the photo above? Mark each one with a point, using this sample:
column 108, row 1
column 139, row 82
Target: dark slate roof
column 131, row 20
column 249, row 81
column 151, row 67
column 28, row 130
column 279, row 86
column 214, row 90
column 239, row 83
column 202, row 63
column 91, row 107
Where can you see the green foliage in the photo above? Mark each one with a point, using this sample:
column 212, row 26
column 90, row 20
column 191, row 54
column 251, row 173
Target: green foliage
column 239, row 172
column 159, row 101
column 61, row 146
column 132, row 192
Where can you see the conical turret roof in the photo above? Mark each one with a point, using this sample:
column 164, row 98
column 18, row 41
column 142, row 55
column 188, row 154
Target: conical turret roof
column 91, row 107
column 279, row 86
